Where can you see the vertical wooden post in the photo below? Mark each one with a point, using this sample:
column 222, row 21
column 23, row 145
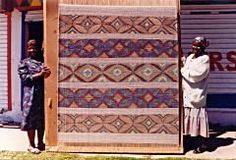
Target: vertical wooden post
column 51, row 60
column 181, row 108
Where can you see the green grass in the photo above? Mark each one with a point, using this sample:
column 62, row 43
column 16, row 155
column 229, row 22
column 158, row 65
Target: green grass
column 6, row 155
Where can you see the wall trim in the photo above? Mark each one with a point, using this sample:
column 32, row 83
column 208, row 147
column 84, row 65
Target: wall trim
column 9, row 61
column 221, row 109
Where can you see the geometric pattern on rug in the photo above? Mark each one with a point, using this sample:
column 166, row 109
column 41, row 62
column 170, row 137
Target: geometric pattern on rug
column 118, row 98
column 135, row 124
column 84, row 24
column 114, row 48
column 125, row 66
column 118, row 72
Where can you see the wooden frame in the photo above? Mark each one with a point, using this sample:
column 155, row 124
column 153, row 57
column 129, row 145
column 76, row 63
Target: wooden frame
column 122, row 2
column 51, row 52
column 181, row 107
column 51, row 59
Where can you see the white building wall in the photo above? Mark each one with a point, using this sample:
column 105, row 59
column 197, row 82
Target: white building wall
column 3, row 63
column 15, row 59
column 15, row 114
column 34, row 16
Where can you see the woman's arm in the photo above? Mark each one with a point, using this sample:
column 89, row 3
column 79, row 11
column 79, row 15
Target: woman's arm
column 28, row 76
column 24, row 72
column 198, row 70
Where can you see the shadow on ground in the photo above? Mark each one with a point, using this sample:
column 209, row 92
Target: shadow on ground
column 190, row 143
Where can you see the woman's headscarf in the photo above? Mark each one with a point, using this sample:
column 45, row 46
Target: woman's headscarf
column 200, row 42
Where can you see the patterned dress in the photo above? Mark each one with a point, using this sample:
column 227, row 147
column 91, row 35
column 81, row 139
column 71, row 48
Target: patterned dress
column 33, row 99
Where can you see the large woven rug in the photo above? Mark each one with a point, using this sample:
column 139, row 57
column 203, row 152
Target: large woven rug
column 118, row 79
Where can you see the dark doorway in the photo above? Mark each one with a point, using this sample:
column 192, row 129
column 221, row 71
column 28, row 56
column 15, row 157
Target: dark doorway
column 34, row 30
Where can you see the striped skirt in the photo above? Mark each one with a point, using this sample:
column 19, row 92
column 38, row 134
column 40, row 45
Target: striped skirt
column 196, row 122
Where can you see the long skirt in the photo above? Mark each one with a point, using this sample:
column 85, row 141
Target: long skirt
column 196, row 122
column 33, row 108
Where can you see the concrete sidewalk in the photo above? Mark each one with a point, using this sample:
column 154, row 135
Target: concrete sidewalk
column 222, row 145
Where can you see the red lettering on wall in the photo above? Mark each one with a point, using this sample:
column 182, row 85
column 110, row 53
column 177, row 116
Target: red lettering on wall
column 215, row 58
column 231, row 56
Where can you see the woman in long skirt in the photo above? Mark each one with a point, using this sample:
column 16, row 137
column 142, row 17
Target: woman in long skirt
column 195, row 73
column 32, row 72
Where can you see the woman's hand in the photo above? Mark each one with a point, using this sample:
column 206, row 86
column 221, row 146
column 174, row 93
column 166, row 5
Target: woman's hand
column 46, row 72
column 183, row 60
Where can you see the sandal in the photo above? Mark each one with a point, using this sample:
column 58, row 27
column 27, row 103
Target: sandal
column 200, row 149
column 33, row 150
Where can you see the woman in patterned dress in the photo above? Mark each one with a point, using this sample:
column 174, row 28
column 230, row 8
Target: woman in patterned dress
column 195, row 73
column 32, row 72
